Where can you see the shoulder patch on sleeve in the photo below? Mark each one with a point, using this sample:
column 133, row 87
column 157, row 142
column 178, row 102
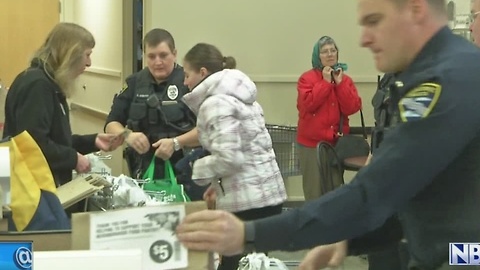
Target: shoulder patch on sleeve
column 419, row 102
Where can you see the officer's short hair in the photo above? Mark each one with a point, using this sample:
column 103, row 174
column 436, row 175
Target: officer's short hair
column 439, row 5
column 208, row 56
column 157, row 36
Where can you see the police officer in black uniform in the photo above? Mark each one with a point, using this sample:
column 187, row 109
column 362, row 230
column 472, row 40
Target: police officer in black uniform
column 425, row 170
column 382, row 111
column 385, row 246
column 149, row 107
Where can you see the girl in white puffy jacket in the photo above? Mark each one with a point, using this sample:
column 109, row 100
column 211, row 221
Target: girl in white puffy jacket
column 242, row 169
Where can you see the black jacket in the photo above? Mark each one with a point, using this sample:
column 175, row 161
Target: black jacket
column 36, row 104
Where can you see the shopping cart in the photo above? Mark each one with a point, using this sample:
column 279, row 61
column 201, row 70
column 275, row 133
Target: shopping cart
column 286, row 148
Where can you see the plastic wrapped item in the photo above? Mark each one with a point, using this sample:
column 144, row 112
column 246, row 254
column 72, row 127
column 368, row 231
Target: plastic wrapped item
column 260, row 261
column 97, row 165
column 127, row 192
column 124, row 192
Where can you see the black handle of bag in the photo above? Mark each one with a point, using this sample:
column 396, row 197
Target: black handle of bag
column 340, row 125
column 364, row 130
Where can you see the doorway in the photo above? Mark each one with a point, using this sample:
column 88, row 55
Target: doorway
column 23, row 29
column 137, row 35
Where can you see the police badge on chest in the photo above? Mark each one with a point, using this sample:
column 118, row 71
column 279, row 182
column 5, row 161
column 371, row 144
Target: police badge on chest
column 172, row 92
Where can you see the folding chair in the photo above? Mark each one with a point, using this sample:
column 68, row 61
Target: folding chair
column 330, row 167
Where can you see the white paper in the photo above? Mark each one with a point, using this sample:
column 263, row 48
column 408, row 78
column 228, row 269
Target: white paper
column 149, row 228
column 5, row 175
column 125, row 259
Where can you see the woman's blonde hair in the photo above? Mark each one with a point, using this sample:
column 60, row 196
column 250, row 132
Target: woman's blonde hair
column 62, row 53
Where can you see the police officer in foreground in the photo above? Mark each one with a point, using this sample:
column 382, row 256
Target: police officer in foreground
column 425, row 170
column 475, row 21
column 149, row 108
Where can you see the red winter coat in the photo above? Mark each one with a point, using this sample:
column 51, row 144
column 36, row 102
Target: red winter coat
column 319, row 104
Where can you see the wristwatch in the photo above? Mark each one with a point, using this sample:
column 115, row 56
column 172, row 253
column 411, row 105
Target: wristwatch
column 176, row 144
column 249, row 244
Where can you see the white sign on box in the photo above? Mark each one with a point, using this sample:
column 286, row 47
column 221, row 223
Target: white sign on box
column 152, row 229
column 5, row 175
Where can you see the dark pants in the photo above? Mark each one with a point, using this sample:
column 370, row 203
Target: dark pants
column 231, row 263
column 78, row 207
column 392, row 257
column 384, row 246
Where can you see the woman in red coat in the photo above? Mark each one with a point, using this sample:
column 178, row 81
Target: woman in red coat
column 324, row 92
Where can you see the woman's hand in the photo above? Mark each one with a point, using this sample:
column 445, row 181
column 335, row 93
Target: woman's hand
column 83, row 164
column 338, row 75
column 327, row 74
column 325, row 256
column 139, row 142
column 108, row 142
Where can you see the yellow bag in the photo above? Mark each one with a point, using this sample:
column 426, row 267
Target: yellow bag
column 34, row 203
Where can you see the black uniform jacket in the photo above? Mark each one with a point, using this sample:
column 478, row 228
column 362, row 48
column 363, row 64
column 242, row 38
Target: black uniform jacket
column 122, row 102
column 36, row 104
column 426, row 169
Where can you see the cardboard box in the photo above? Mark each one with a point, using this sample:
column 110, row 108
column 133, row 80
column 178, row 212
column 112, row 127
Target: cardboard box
column 81, row 235
column 4, row 176
column 3, row 224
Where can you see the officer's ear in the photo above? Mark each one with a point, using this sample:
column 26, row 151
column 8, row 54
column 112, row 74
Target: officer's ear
column 419, row 10
column 174, row 52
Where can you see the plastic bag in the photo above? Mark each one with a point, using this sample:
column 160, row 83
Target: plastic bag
column 260, row 261
column 164, row 190
column 123, row 192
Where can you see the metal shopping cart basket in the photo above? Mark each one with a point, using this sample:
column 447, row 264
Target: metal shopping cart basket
column 286, row 148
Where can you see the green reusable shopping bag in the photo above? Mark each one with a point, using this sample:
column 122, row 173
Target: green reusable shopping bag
column 164, row 190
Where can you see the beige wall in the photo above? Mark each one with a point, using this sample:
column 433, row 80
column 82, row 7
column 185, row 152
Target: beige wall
column 108, row 20
column 271, row 39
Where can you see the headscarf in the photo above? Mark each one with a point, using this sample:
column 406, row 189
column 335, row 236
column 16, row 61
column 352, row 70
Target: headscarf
column 316, row 63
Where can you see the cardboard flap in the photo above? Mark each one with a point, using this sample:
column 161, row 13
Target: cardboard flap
column 79, row 189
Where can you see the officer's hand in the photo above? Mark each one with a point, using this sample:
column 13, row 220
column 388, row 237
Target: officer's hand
column 108, row 142
column 139, row 142
column 210, row 196
column 327, row 74
column 212, row 230
column 164, row 148
column 325, row 256
column 83, row 164
column 338, row 75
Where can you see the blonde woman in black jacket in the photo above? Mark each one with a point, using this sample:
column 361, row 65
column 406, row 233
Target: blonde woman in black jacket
column 37, row 102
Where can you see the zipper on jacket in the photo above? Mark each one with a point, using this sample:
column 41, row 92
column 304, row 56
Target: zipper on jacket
column 221, row 186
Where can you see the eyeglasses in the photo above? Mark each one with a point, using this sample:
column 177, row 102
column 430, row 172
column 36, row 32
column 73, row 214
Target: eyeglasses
column 331, row 51
column 473, row 16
